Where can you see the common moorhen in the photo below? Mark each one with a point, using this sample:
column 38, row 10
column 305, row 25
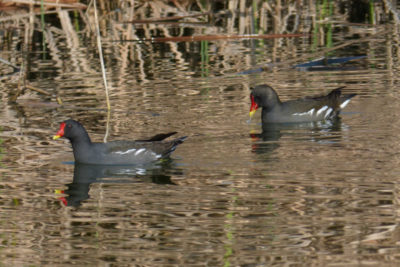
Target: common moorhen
column 307, row 109
column 116, row 152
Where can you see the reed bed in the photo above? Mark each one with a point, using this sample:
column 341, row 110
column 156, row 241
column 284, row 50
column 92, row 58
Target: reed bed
column 121, row 22
column 127, row 28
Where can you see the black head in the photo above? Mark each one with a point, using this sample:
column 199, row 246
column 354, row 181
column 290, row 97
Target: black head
column 263, row 96
column 72, row 130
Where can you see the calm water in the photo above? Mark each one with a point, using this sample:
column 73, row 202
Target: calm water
column 232, row 195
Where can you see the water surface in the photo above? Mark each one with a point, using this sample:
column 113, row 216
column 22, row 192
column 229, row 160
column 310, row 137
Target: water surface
column 232, row 194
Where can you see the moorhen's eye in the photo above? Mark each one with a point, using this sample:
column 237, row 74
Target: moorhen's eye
column 69, row 126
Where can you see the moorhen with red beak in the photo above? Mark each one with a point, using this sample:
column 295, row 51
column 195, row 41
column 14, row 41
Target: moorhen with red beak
column 307, row 109
column 138, row 152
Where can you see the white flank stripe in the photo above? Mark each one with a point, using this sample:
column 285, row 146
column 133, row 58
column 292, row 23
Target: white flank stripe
column 328, row 112
column 344, row 103
column 125, row 152
column 310, row 112
column 321, row 110
column 140, row 151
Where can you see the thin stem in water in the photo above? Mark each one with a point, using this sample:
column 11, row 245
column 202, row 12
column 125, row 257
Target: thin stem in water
column 103, row 70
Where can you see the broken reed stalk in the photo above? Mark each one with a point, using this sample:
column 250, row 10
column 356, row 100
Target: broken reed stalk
column 327, row 50
column 103, row 70
column 288, row 63
column 196, row 38
column 156, row 20
column 24, row 15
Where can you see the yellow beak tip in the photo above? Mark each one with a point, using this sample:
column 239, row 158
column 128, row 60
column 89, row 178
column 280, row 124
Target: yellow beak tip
column 56, row 137
column 251, row 113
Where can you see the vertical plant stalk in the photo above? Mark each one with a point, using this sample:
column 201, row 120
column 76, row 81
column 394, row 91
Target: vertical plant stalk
column 43, row 26
column 255, row 20
column 204, row 58
column 316, row 26
column 103, row 70
column 371, row 12
column 329, row 40
column 76, row 21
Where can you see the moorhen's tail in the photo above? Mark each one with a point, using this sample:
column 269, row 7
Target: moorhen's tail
column 346, row 97
column 335, row 93
column 158, row 137
column 332, row 96
column 173, row 144
column 338, row 93
column 343, row 100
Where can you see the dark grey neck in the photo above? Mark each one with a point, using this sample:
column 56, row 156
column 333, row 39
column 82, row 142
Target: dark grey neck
column 264, row 115
column 81, row 147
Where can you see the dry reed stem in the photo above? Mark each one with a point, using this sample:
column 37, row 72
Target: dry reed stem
column 103, row 70
column 21, row 16
column 45, row 3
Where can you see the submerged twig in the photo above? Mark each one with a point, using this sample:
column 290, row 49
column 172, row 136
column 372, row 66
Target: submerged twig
column 37, row 89
column 16, row 68
column 21, row 89
column 41, row 91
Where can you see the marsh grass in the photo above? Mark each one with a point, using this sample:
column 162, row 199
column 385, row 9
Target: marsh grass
column 125, row 30
column 178, row 21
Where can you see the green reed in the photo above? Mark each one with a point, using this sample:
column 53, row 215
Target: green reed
column 371, row 12
column 204, row 59
column 324, row 11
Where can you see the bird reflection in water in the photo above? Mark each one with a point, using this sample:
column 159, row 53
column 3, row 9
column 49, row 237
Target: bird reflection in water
column 325, row 132
column 85, row 175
